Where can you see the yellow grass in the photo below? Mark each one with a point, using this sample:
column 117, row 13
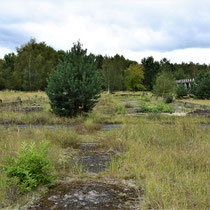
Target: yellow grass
column 170, row 163
column 8, row 95
column 197, row 101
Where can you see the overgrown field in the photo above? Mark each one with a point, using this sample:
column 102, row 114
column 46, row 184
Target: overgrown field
column 165, row 155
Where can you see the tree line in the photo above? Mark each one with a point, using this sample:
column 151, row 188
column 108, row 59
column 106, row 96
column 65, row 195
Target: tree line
column 29, row 69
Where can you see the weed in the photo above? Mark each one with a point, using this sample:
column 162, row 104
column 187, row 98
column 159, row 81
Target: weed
column 160, row 108
column 120, row 109
column 31, row 168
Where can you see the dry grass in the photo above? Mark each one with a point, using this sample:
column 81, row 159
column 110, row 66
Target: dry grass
column 170, row 163
column 8, row 95
column 197, row 101
column 167, row 156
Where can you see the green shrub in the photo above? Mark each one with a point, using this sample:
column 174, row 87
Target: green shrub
column 160, row 108
column 75, row 85
column 181, row 91
column 31, row 168
column 168, row 98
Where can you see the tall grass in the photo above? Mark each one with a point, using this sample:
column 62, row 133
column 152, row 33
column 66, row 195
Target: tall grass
column 167, row 156
column 43, row 118
column 171, row 163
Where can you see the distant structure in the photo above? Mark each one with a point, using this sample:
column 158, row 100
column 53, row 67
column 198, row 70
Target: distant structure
column 186, row 82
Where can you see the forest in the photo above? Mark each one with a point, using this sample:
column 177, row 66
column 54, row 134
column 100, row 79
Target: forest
column 29, row 68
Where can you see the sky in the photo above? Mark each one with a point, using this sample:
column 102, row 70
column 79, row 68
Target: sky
column 178, row 30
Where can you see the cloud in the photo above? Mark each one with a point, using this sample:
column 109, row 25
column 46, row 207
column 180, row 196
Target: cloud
column 4, row 51
column 11, row 38
column 107, row 26
column 197, row 55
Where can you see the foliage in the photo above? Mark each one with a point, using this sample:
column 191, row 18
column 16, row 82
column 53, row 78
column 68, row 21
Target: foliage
column 166, row 66
column 164, row 84
column 99, row 60
column 29, row 68
column 31, row 168
column 159, row 108
column 151, row 69
column 201, row 87
column 168, row 98
column 134, row 76
column 2, row 80
column 180, row 74
column 113, row 70
column 75, row 85
column 8, row 70
column 181, row 91
column 33, row 64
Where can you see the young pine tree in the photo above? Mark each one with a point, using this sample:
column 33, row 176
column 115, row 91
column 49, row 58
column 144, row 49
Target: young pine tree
column 75, row 85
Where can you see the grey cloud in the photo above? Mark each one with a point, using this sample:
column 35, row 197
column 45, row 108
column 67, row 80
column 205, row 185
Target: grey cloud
column 183, row 24
column 11, row 39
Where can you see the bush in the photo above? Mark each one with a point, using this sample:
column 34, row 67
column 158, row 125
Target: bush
column 181, row 91
column 31, row 168
column 160, row 108
column 75, row 85
column 168, row 98
column 201, row 87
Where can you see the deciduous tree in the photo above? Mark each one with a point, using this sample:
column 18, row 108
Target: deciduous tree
column 34, row 62
column 134, row 76
column 165, row 83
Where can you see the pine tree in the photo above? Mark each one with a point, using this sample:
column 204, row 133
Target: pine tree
column 201, row 87
column 75, row 85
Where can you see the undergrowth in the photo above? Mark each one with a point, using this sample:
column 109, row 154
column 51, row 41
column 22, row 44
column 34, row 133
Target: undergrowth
column 159, row 108
column 31, row 168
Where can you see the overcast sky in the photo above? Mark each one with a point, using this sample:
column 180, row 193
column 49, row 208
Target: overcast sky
column 176, row 29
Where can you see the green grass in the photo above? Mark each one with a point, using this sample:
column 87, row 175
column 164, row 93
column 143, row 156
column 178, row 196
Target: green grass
column 159, row 108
